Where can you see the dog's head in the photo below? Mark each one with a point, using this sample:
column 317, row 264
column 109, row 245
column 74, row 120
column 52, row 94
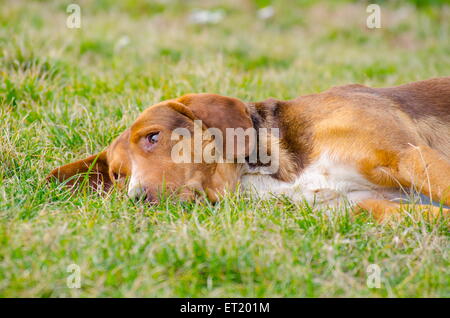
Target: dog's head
column 160, row 152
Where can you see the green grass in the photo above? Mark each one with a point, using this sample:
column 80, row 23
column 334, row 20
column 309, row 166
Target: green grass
column 66, row 93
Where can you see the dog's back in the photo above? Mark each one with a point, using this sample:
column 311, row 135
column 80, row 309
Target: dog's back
column 426, row 102
column 429, row 98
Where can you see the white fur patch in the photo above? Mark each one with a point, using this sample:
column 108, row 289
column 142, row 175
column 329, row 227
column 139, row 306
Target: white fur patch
column 325, row 182
column 135, row 188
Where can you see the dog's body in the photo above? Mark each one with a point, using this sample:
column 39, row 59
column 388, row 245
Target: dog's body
column 367, row 146
column 348, row 142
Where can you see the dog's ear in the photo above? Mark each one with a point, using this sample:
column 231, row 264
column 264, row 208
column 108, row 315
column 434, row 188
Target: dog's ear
column 221, row 112
column 94, row 169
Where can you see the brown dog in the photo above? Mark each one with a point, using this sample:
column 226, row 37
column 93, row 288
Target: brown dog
column 366, row 146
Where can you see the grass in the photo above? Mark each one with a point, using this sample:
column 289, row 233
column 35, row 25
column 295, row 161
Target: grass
column 66, row 93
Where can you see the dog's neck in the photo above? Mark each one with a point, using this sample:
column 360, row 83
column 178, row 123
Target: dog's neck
column 291, row 152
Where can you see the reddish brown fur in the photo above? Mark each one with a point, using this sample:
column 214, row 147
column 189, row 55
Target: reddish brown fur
column 396, row 137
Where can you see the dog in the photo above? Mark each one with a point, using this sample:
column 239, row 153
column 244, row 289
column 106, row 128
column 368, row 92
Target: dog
column 366, row 147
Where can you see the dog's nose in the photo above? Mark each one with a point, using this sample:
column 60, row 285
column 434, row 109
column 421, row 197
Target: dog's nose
column 137, row 193
column 149, row 198
column 141, row 194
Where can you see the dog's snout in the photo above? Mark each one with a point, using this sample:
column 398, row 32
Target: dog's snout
column 142, row 194
column 136, row 192
column 149, row 198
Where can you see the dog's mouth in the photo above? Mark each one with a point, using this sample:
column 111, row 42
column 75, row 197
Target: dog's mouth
column 256, row 167
column 143, row 195
column 182, row 194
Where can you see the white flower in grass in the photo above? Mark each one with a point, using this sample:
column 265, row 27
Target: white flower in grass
column 121, row 43
column 206, row 16
column 266, row 13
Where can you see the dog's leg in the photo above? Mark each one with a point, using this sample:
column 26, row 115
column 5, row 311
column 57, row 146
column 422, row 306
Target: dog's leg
column 419, row 168
column 425, row 170
column 384, row 210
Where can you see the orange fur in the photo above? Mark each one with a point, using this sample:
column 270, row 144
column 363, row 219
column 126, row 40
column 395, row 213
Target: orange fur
column 395, row 137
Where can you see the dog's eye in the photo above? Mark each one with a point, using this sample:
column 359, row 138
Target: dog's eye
column 153, row 137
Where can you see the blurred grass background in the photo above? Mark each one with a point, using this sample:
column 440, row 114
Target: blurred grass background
column 66, row 93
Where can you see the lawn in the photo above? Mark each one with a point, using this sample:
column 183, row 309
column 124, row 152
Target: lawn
column 67, row 93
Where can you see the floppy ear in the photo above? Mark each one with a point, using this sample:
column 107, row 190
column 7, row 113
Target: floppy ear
column 94, row 167
column 221, row 112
